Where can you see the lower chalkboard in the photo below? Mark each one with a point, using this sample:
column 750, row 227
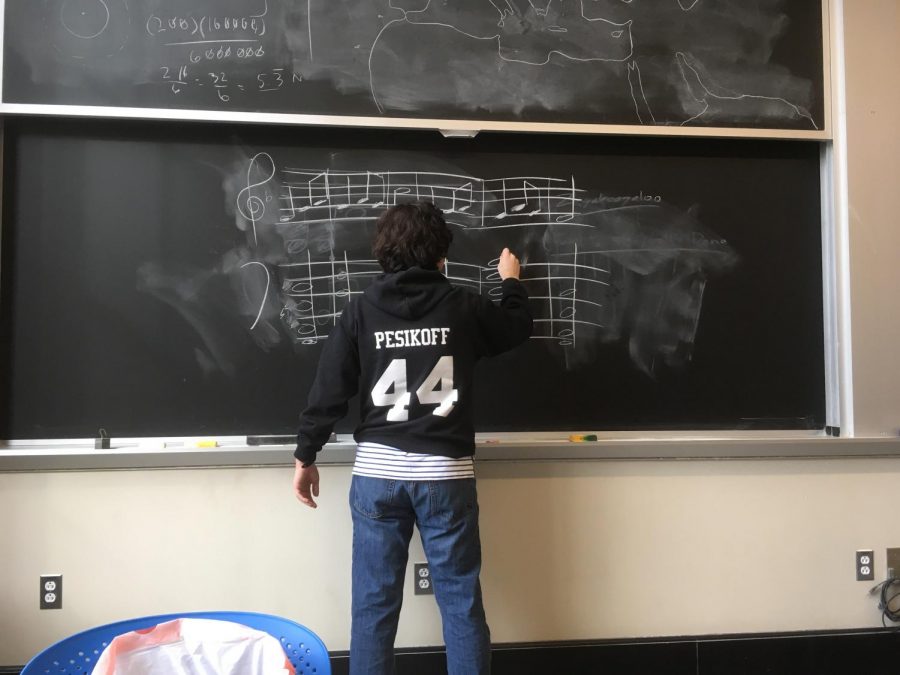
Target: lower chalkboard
column 177, row 279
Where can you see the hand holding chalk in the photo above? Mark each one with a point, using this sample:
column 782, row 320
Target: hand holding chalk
column 508, row 267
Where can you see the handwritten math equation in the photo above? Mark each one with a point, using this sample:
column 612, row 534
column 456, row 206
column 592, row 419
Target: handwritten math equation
column 225, row 54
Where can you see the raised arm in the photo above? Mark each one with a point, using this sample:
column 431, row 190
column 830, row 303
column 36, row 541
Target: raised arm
column 509, row 324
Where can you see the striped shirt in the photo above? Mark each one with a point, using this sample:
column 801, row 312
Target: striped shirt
column 374, row 460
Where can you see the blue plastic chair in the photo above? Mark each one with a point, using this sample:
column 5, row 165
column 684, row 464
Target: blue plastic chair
column 77, row 654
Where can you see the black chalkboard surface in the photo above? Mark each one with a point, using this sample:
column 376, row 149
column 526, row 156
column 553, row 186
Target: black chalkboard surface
column 723, row 63
column 180, row 279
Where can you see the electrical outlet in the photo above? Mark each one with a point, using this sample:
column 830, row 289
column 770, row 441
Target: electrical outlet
column 865, row 565
column 422, row 579
column 51, row 591
column 893, row 563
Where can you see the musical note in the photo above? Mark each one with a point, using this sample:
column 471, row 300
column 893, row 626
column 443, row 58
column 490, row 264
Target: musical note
column 528, row 188
column 292, row 208
column 504, row 213
column 371, row 180
column 399, row 191
column 466, row 189
column 341, row 207
column 571, row 199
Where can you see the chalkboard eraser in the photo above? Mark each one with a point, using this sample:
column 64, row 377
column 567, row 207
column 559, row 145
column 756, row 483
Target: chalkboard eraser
column 101, row 441
column 280, row 440
column 271, row 440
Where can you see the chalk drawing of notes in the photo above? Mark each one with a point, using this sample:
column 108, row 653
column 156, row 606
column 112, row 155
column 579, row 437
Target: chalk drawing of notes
column 372, row 194
column 305, row 191
column 461, row 198
column 313, row 196
column 568, row 295
column 315, row 292
column 532, row 200
column 457, row 195
column 593, row 274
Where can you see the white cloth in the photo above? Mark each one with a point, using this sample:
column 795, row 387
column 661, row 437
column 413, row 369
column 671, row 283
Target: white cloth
column 194, row 647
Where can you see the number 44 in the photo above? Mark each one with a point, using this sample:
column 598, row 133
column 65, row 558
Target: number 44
column 429, row 393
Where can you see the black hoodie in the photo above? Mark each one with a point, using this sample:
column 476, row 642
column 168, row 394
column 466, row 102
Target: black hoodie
column 409, row 345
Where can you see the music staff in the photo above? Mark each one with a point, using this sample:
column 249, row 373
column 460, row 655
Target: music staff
column 569, row 289
column 467, row 200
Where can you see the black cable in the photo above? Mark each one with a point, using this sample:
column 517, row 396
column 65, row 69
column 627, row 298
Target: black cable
column 893, row 615
column 884, row 604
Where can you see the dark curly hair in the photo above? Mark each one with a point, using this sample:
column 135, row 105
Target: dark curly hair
column 411, row 235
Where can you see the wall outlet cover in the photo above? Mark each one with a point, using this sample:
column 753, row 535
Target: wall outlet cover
column 865, row 565
column 422, row 579
column 51, row 591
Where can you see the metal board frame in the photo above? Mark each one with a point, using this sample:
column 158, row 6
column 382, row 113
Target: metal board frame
column 75, row 454
column 341, row 453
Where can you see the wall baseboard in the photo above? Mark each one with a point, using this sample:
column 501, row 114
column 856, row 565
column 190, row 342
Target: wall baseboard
column 850, row 652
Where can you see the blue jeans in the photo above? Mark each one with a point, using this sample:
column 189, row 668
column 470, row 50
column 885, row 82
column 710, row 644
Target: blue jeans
column 446, row 513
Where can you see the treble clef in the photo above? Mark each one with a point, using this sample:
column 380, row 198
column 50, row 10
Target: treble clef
column 250, row 204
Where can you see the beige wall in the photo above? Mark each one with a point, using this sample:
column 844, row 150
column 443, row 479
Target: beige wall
column 872, row 34
column 580, row 550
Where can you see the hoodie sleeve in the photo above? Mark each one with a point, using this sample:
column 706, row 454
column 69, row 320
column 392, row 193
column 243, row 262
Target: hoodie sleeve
column 336, row 382
column 508, row 324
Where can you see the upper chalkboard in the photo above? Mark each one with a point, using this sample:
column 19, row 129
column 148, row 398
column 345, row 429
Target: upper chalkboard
column 694, row 63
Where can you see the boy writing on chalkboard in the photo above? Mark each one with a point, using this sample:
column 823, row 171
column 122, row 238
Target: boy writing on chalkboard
column 409, row 346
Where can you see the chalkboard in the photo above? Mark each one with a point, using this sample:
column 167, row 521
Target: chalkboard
column 167, row 280
column 722, row 63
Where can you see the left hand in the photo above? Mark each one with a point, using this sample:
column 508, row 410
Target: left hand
column 306, row 483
